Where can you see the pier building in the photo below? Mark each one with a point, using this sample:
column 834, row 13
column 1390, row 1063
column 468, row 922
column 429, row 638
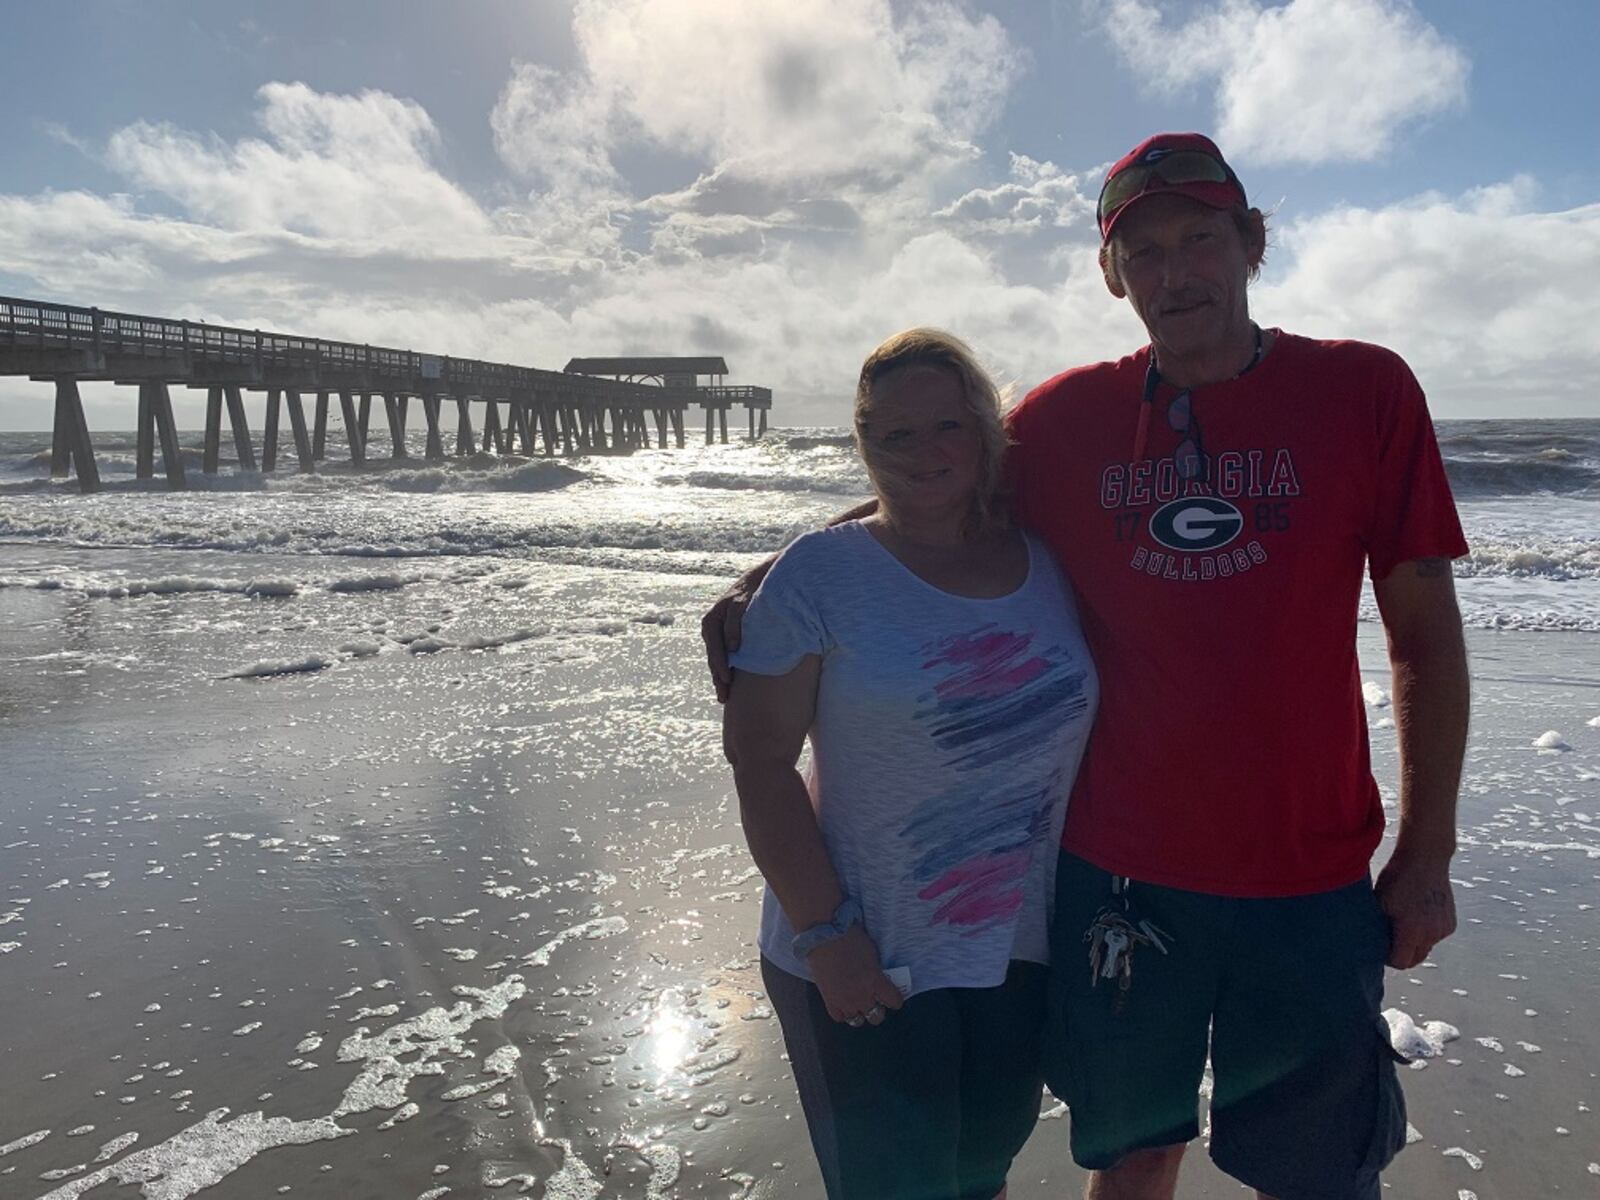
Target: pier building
column 714, row 395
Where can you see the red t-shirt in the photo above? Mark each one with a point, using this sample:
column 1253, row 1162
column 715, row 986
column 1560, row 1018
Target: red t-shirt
column 1230, row 754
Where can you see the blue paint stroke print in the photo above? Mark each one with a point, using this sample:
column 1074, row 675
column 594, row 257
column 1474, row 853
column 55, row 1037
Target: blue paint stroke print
column 998, row 700
column 976, row 850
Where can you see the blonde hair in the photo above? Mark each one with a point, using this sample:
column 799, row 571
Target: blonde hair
column 937, row 350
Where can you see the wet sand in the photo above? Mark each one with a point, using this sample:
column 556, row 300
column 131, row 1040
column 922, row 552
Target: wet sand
column 481, row 920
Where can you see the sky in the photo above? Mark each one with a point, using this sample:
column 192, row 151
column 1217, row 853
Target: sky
column 787, row 184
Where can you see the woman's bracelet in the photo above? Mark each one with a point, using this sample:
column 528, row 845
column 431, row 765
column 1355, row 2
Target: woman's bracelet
column 847, row 914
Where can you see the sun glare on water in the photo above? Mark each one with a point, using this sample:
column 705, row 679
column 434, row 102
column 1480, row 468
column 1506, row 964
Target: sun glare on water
column 671, row 1034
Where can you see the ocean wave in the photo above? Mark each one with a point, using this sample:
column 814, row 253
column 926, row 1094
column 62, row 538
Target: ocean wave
column 116, row 460
column 1553, row 561
column 1519, row 458
column 820, row 441
column 1557, row 472
column 371, row 583
column 167, row 585
column 1515, row 618
column 712, row 549
column 480, row 473
column 433, row 641
column 1538, row 621
column 774, row 482
column 298, row 666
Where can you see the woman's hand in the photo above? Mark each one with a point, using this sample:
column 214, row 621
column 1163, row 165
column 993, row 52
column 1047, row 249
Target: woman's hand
column 851, row 979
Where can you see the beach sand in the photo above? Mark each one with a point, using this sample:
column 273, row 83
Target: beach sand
column 431, row 916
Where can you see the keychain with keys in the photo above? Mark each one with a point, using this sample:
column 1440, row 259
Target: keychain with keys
column 1112, row 936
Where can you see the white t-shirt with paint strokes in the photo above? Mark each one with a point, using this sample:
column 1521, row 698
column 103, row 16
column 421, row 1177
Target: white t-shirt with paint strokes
column 947, row 734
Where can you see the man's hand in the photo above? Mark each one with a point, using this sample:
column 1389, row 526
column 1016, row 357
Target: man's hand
column 720, row 628
column 1415, row 893
column 851, row 979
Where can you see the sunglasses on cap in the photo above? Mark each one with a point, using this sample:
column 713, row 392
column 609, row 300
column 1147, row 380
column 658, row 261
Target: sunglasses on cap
column 1169, row 171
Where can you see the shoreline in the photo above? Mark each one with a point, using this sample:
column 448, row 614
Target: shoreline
column 246, row 851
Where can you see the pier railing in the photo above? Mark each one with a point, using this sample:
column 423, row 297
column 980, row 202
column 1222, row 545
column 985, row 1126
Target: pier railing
column 99, row 332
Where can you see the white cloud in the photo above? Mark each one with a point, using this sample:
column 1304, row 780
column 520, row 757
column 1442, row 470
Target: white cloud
column 1490, row 300
column 1310, row 81
column 555, row 128
column 684, row 236
column 338, row 166
column 101, row 248
column 1038, row 196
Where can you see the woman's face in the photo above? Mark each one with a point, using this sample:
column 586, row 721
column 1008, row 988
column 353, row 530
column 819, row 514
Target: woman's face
column 921, row 443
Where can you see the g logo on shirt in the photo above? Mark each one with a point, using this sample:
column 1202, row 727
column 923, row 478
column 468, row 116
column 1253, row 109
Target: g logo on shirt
column 1196, row 523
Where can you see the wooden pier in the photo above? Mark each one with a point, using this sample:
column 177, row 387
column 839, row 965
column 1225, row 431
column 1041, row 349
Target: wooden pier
column 577, row 411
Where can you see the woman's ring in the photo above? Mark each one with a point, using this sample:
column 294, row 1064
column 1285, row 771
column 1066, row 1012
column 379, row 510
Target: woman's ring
column 856, row 1022
column 876, row 1014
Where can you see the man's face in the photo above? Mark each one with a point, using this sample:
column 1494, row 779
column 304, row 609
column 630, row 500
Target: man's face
column 1183, row 266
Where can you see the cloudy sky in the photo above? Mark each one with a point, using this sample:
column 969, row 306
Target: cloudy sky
column 786, row 183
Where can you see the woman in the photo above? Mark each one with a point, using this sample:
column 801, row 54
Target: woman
column 931, row 654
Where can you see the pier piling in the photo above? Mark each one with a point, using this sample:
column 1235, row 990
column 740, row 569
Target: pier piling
column 463, row 426
column 569, row 429
column 394, row 408
column 541, row 426
column 269, row 433
column 213, row 444
column 525, row 419
column 60, row 446
column 144, row 457
column 491, row 426
column 241, row 429
column 155, row 419
column 319, row 439
column 297, row 421
column 352, row 428
column 70, row 439
column 430, row 411
column 167, row 428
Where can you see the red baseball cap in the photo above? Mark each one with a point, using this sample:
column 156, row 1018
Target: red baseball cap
column 1188, row 164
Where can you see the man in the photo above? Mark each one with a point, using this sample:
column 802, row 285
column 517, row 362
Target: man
column 1215, row 498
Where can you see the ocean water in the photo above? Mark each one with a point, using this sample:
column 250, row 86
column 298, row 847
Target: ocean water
column 1529, row 495
column 367, row 833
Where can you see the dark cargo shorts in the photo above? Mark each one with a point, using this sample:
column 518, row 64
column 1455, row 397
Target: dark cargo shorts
column 1286, row 994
